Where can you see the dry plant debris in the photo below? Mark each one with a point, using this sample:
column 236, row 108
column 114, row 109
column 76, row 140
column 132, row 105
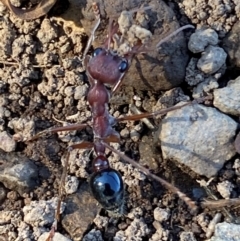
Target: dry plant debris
column 38, row 11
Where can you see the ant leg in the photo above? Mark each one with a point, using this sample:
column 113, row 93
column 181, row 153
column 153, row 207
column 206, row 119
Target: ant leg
column 81, row 145
column 160, row 112
column 191, row 204
column 151, row 114
column 59, row 201
column 53, row 130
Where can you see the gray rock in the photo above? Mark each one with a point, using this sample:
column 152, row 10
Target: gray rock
column 201, row 39
column 80, row 92
column 71, row 184
column 24, row 128
column 161, row 214
column 193, row 74
column 231, row 44
column 227, row 99
column 57, row 237
column 187, row 236
column 69, row 91
column 226, row 232
column 7, row 143
column 101, row 222
column 236, row 166
column 17, row 172
column 202, row 89
column 199, row 137
column 136, row 230
column 41, row 213
column 81, row 209
column 205, row 82
column 93, row 235
column 225, row 188
column 212, row 59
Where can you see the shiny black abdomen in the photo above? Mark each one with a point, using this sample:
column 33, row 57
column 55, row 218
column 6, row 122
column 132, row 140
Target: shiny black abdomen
column 107, row 187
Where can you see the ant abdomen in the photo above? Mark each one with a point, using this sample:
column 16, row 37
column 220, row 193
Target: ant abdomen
column 107, row 188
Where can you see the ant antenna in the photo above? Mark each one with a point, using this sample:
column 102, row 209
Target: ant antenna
column 173, row 34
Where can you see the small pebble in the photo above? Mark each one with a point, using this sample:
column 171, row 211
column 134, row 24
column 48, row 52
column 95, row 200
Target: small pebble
column 225, row 188
column 161, row 214
column 7, row 143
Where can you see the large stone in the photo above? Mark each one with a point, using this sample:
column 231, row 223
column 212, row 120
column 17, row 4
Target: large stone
column 212, row 59
column 7, row 143
column 17, row 172
column 231, row 45
column 155, row 70
column 57, row 237
column 201, row 39
column 227, row 99
column 81, row 209
column 226, row 232
column 199, row 137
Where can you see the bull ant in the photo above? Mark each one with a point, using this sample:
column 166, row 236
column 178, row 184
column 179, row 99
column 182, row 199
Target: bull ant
column 107, row 67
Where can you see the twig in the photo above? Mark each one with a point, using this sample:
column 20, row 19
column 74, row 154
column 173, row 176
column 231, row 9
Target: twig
column 221, row 203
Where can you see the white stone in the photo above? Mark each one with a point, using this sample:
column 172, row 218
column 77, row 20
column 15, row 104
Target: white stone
column 201, row 39
column 199, row 137
column 226, row 232
column 161, row 214
column 225, row 188
column 227, row 99
column 212, row 59
column 56, row 237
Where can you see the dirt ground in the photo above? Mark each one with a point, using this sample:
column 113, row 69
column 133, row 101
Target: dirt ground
column 43, row 84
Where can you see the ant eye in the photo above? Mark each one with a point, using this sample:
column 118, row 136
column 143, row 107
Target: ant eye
column 97, row 51
column 123, row 66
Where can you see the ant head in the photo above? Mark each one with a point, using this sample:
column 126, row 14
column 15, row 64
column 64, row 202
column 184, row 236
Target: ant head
column 107, row 66
column 125, row 39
